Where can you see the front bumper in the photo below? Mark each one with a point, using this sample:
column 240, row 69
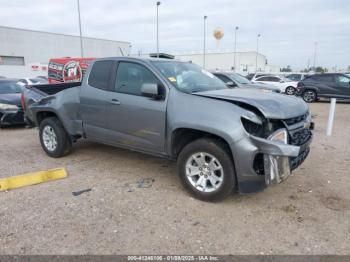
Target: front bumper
column 11, row 118
column 261, row 162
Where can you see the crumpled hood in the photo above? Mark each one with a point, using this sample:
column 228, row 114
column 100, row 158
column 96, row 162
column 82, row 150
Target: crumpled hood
column 11, row 99
column 261, row 86
column 271, row 105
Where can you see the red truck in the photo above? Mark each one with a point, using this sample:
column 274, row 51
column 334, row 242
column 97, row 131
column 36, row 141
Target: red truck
column 67, row 69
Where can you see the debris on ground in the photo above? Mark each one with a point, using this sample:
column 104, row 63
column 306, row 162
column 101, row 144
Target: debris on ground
column 145, row 182
column 78, row 193
column 293, row 197
column 289, row 209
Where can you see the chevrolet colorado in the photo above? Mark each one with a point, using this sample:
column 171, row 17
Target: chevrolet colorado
column 223, row 139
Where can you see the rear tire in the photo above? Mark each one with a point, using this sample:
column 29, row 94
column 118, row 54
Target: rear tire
column 206, row 169
column 53, row 138
column 290, row 90
column 309, row 96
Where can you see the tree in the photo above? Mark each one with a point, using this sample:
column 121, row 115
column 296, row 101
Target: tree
column 320, row 69
column 286, row 69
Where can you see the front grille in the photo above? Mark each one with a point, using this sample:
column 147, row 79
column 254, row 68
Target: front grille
column 294, row 120
column 299, row 137
column 297, row 161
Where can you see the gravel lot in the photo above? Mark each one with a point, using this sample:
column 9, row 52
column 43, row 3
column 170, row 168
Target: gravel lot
column 307, row 214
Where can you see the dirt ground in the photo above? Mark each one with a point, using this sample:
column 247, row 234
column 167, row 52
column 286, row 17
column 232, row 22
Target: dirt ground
column 307, row 214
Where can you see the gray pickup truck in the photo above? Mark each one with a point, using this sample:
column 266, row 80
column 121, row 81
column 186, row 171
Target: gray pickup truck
column 223, row 139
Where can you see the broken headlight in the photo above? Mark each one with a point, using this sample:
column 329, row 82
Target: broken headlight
column 280, row 135
column 252, row 128
column 8, row 107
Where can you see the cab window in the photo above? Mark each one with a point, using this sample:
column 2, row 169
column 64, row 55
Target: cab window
column 131, row 77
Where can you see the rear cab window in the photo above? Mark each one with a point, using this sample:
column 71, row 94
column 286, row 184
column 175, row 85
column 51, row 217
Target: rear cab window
column 100, row 74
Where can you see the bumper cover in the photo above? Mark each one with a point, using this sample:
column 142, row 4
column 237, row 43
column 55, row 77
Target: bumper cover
column 12, row 118
column 278, row 162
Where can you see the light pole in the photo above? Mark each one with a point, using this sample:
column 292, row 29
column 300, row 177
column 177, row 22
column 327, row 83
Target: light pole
column 158, row 4
column 204, row 18
column 81, row 37
column 315, row 56
column 257, row 51
column 234, row 55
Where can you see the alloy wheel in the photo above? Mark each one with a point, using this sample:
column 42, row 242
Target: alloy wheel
column 204, row 172
column 309, row 96
column 49, row 138
column 290, row 90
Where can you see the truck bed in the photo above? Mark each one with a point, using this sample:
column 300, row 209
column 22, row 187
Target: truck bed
column 51, row 89
column 35, row 93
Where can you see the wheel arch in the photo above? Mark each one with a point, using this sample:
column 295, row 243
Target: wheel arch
column 42, row 114
column 312, row 88
column 180, row 137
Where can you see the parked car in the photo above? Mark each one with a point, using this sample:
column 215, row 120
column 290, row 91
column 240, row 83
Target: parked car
column 234, row 80
column 223, row 139
column 284, row 84
column 11, row 112
column 31, row 81
column 296, row 77
column 324, row 85
column 252, row 77
column 44, row 78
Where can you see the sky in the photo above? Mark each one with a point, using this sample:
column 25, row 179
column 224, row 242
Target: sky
column 288, row 28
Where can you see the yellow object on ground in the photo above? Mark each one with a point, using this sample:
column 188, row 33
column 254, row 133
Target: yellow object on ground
column 31, row 178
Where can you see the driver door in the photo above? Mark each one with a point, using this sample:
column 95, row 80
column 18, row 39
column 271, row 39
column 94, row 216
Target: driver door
column 133, row 120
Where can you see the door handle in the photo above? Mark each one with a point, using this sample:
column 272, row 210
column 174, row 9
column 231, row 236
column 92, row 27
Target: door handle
column 115, row 102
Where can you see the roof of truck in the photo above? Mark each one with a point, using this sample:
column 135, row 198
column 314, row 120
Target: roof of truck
column 136, row 58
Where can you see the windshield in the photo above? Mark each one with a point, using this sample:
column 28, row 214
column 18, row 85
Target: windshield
column 188, row 77
column 240, row 79
column 38, row 80
column 9, row 88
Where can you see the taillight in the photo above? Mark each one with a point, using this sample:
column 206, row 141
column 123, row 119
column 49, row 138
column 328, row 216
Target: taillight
column 23, row 102
column 300, row 84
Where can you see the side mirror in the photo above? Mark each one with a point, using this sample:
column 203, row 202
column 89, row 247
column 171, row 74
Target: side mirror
column 150, row 90
column 281, row 81
column 230, row 84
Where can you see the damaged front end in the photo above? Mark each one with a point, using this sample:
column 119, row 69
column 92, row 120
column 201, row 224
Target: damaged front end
column 276, row 148
column 277, row 168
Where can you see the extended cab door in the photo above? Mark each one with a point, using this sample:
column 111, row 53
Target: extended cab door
column 93, row 96
column 136, row 121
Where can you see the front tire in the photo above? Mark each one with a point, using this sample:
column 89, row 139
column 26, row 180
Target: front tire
column 290, row 90
column 206, row 169
column 309, row 96
column 54, row 138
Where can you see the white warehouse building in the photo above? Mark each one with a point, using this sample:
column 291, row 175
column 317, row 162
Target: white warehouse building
column 26, row 53
column 245, row 61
